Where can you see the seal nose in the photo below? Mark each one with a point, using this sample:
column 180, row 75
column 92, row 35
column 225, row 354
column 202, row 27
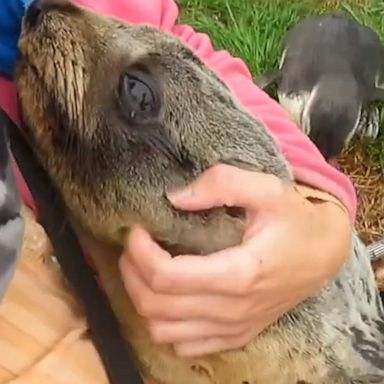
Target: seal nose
column 33, row 12
column 38, row 7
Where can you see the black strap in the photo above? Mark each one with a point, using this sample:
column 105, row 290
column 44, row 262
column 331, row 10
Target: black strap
column 113, row 349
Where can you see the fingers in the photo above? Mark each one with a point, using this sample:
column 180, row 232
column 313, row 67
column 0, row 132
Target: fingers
column 232, row 271
column 152, row 305
column 214, row 344
column 148, row 257
column 172, row 332
column 230, row 186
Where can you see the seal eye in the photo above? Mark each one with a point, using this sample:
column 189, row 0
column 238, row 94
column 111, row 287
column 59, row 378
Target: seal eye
column 138, row 96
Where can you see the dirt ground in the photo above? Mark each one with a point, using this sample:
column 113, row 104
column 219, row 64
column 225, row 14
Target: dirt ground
column 369, row 183
column 368, row 179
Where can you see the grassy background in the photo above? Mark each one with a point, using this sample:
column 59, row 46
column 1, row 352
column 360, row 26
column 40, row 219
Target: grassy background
column 253, row 30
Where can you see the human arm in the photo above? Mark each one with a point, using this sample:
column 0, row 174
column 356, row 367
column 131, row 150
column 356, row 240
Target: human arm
column 203, row 304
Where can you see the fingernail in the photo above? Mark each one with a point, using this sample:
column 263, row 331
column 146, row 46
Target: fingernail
column 181, row 195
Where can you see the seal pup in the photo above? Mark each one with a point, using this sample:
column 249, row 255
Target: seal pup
column 330, row 75
column 118, row 114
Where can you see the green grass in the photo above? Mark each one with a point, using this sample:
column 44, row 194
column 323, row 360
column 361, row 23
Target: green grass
column 374, row 150
column 253, row 30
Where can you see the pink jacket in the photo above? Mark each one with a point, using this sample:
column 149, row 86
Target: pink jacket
column 307, row 164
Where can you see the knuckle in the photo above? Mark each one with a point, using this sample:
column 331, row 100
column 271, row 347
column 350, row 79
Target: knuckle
column 155, row 333
column 155, row 281
column 231, row 317
column 276, row 186
column 236, row 343
column 239, row 329
column 158, row 281
column 220, row 172
column 239, row 315
column 244, row 311
column 144, row 306
column 241, row 340
column 246, row 279
column 244, row 287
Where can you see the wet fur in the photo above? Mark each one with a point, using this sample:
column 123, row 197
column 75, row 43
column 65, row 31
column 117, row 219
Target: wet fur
column 112, row 175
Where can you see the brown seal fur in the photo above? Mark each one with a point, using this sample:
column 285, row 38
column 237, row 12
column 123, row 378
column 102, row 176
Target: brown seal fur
column 114, row 171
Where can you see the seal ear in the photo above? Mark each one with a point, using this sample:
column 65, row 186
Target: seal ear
column 266, row 80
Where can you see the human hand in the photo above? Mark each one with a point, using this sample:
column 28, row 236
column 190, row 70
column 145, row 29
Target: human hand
column 206, row 304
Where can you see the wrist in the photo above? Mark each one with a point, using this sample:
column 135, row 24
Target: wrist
column 335, row 229
column 332, row 233
column 318, row 197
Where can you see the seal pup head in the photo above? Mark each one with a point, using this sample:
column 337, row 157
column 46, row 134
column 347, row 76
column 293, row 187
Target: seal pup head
column 332, row 113
column 121, row 114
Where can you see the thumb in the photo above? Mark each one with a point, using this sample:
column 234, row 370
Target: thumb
column 228, row 185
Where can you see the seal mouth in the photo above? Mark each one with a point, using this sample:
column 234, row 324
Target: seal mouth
column 28, row 28
column 25, row 39
column 25, row 65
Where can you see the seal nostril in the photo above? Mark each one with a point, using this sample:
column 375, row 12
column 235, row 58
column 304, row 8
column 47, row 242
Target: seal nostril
column 38, row 7
column 33, row 13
